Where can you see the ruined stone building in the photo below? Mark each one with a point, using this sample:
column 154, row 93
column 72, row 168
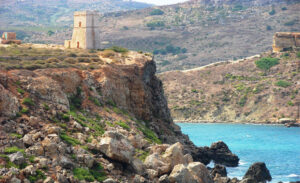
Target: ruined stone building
column 9, row 38
column 86, row 33
column 284, row 41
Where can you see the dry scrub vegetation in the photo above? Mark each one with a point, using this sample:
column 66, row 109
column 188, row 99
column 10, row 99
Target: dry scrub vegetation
column 27, row 57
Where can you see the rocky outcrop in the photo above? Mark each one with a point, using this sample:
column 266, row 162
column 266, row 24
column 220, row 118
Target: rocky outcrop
column 257, row 172
column 221, row 154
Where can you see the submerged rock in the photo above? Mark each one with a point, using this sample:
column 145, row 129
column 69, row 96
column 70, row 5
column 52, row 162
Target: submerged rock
column 258, row 172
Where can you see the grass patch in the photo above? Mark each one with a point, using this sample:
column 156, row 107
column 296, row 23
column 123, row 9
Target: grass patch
column 24, row 110
column 149, row 134
column 298, row 54
column 21, row 91
column 69, row 140
column 90, row 175
column 28, row 101
column 123, row 125
column 14, row 149
column 283, row 83
column 16, row 135
column 118, row 49
column 142, row 155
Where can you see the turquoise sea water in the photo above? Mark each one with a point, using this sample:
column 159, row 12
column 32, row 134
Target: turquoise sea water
column 277, row 146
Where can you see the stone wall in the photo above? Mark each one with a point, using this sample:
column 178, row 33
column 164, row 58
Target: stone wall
column 283, row 41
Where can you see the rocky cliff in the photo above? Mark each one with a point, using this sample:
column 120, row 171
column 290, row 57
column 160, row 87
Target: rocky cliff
column 103, row 120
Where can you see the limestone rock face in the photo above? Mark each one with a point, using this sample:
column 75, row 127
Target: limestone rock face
column 9, row 104
column 194, row 172
column 117, row 147
column 258, row 172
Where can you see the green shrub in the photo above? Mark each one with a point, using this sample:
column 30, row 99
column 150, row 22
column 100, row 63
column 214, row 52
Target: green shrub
column 70, row 60
column 53, row 60
column 154, row 24
column 243, row 101
column 14, row 149
column 298, row 54
column 290, row 23
column 283, row 84
column 39, row 175
column 290, row 103
column 272, row 12
column 71, row 55
column 27, row 101
column 157, row 12
column 123, row 125
column 68, row 139
column 119, row 49
column 266, row 63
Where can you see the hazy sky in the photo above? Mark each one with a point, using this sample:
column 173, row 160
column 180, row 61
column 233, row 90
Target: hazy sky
column 161, row 2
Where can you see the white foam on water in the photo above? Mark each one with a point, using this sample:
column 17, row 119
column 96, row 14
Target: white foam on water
column 293, row 175
column 242, row 162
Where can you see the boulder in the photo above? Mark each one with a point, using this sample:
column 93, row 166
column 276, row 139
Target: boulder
column 219, row 169
column 258, row 172
column 195, row 172
column 221, row 154
column 117, row 147
column 66, row 163
column 17, row 158
column 174, row 155
column 156, row 162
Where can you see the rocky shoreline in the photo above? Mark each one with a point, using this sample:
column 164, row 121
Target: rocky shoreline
column 288, row 124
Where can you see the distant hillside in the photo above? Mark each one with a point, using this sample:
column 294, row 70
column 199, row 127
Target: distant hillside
column 197, row 33
column 32, row 17
column 236, row 91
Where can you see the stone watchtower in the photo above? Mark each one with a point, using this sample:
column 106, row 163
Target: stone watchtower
column 86, row 33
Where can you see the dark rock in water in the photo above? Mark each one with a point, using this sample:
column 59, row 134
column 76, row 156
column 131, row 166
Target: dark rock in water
column 220, row 153
column 292, row 125
column 219, row 169
column 203, row 155
column 258, row 172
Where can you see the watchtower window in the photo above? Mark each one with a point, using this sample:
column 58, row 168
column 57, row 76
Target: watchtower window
column 79, row 24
